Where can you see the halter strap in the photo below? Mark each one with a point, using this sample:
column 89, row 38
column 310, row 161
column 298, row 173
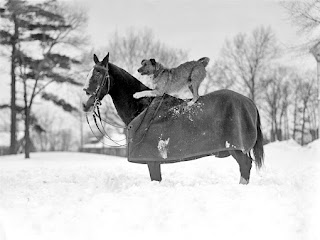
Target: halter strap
column 105, row 78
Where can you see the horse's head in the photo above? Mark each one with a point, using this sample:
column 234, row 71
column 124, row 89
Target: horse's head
column 97, row 84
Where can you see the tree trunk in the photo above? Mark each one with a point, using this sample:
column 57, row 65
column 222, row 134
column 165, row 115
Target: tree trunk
column 295, row 119
column 27, row 133
column 272, row 137
column 276, row 125
column 13, row 127
column 286, row 126
column 26, row 122
column 273, row 126
column 252, row 89
column 303, row 124
column 81, row 130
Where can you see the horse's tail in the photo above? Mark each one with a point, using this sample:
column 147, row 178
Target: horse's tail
column 258, row 147
column 204, row 61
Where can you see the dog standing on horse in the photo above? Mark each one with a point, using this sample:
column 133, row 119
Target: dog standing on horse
column 170, row 81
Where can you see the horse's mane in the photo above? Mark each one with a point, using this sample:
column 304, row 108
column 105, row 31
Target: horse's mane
column 126, row 85
column 125, row 76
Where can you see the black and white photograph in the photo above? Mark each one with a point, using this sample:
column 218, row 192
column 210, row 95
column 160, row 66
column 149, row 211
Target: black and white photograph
column 159, row 119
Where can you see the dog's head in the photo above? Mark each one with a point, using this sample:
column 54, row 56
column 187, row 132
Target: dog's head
column 149, row 67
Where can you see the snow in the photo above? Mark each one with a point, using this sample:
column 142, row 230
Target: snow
column 87, row 196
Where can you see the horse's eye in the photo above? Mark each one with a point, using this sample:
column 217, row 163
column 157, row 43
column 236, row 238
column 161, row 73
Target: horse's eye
column 96, row 75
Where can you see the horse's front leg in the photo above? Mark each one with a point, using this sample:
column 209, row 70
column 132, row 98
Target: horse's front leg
column 155, row 171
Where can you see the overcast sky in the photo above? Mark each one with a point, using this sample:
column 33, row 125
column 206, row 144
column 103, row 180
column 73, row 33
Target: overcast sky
column 199, row 26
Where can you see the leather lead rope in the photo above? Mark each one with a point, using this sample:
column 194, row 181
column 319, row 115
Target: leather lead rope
column 118, row 145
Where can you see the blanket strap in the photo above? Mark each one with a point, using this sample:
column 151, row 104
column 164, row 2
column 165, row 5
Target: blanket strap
column 153, row 117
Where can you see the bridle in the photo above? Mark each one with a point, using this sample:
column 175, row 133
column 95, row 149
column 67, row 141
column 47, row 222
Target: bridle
column 96, row 111
column 105, row 79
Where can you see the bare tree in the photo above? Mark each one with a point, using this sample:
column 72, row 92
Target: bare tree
column 306, row 90
column 129, row 49
column 54, row 134
column 248, row 56
column 304, row 108
column 276, row 96
column 219, row 76
column 296, row 81
column 304, row 14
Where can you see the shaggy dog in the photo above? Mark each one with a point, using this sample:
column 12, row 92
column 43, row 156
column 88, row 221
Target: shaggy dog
column 169, row 81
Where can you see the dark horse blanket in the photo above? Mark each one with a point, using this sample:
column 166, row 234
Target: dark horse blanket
column 170, row 131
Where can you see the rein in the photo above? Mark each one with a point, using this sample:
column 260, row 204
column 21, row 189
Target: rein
column 104, row 134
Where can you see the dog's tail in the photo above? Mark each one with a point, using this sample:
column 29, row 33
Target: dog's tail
column 204, row 61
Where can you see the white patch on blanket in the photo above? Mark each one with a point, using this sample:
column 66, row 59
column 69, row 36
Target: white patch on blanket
column 228, row 145
column 163, row 148
column 189, row 111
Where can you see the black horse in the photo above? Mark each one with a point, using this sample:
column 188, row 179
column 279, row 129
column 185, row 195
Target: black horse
column 106, row 78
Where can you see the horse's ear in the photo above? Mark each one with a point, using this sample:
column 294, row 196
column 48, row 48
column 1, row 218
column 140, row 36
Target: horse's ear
column 95, row 59
column 105, row 60
column 153, row 61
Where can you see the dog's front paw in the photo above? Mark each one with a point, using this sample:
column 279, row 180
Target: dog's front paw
column 190, row 103
column 138, row 95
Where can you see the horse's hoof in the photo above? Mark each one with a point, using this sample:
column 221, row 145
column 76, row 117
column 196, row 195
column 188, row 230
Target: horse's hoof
column 243, row 181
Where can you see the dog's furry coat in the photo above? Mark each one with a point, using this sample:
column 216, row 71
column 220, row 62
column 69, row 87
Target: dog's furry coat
column 169, row 81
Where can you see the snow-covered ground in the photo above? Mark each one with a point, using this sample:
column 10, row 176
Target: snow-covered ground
column 86, row 196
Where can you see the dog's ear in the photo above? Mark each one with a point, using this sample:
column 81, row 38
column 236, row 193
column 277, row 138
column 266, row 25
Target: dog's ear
column 153, row 61
column 158, row 66
column 143, row 61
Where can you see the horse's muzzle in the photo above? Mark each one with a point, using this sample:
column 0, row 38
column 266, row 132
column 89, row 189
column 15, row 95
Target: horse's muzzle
column 88, row 105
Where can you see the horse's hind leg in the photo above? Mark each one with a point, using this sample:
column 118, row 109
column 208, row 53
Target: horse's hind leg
column 245, row 164
column 155, row 171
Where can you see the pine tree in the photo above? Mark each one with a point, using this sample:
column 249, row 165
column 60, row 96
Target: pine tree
column 9, row 37
column 43, row 29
